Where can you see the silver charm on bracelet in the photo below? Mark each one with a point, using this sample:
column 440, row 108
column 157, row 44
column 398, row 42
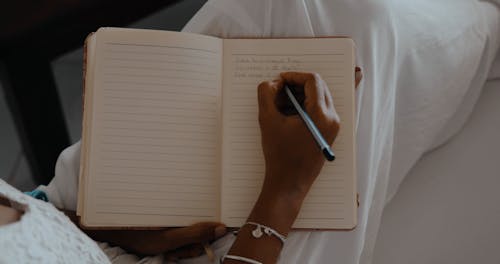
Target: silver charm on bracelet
column 259, row 228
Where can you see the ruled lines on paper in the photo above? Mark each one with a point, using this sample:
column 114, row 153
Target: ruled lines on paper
column 157, row 132
column 243, row 167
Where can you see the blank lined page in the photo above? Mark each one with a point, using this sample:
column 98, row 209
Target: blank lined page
column 154, row 142
column 331, row 203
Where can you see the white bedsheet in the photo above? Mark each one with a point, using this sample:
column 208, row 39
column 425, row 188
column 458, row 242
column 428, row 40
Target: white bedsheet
column 495, row 69
column 422, row 62
column 446, row 210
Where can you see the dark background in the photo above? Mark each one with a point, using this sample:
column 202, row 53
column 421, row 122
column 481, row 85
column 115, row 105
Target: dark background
column 41, row 73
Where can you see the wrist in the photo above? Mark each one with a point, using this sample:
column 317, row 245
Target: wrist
column 294, row 184
column 277, row 209
column 272, row 210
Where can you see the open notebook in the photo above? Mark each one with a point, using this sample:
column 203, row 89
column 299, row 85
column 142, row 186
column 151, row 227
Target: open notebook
column 171, row 133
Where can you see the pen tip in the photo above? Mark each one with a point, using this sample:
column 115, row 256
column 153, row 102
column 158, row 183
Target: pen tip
column 328, row 154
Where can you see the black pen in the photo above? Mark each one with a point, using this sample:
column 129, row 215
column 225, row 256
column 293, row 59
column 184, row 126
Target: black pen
column 325, row 148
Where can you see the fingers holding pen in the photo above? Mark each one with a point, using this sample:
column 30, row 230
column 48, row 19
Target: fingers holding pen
column 318, row 101
column 314, row 90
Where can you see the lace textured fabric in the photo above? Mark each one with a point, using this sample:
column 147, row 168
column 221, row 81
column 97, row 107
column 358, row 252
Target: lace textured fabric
column 43, row 234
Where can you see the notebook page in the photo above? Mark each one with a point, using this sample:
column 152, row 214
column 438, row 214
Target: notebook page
column 331, row 203
column 155, row 130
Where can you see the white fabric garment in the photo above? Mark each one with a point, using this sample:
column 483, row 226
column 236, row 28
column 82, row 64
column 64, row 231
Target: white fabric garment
column 493, row 1
column 421, row 61
column 444, row 211
column 495, row 69
column 43, row 234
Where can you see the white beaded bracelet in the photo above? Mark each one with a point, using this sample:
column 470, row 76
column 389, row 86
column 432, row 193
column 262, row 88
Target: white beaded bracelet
column 257, row 232
column 243, row 259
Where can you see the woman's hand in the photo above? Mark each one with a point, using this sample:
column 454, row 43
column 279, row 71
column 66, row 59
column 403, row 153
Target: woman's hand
column 175, row 243
column 293, row 159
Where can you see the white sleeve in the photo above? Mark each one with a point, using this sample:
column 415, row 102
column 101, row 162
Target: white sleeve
column 62, row 191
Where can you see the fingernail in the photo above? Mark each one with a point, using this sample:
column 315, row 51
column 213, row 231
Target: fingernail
column 220, row 231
